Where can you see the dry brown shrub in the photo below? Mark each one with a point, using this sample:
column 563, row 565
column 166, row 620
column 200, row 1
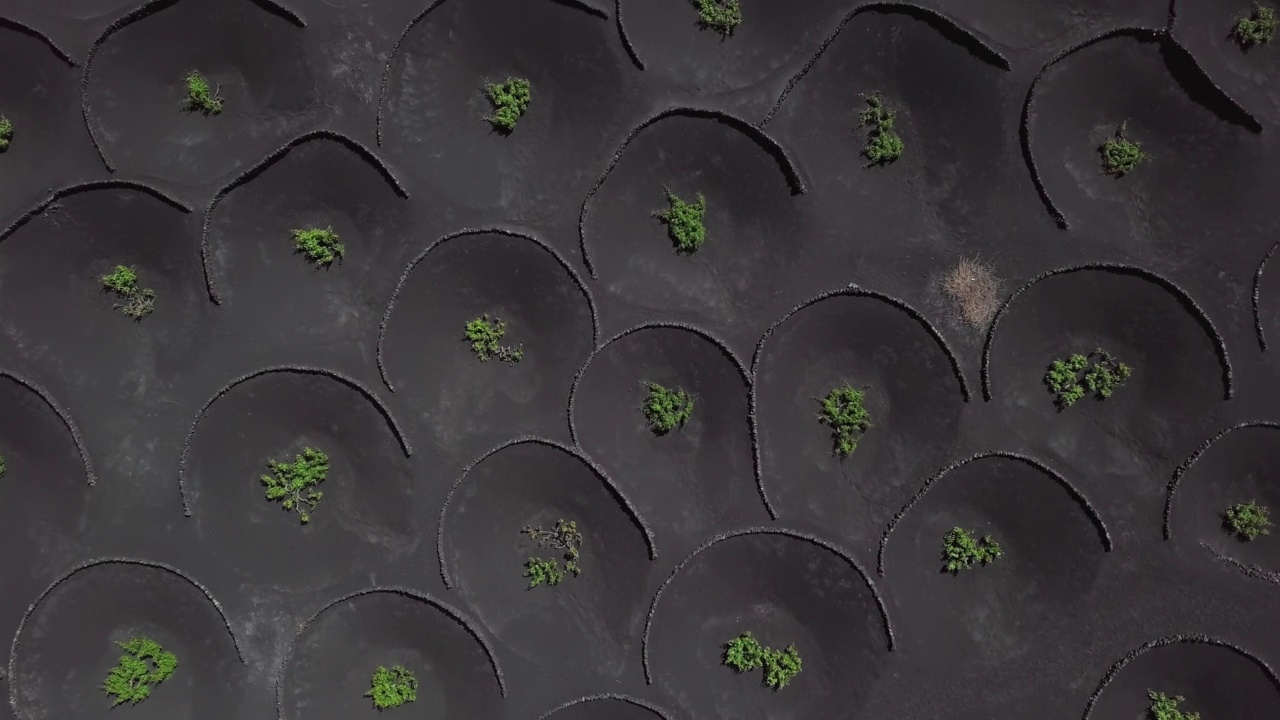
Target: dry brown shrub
column 973, row 286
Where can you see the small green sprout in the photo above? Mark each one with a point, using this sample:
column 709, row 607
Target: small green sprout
column 564, row 536
column 292, row 483
column 392, row 687
column 510, row 100
column 883, row 144
column 138, row 302
column 1257, row 28
column 1248, row 520
column 6, row 132
column 666, row 409
column 1101, row 376
column 1164, row 707
column 319, row 245
column 485, row 335
column 843, row 412
column 143, row 665
column 744, row 653
column 684, row 223
column 960, row 550
column 199, row 97
column 1120, row 155
column 722, row 16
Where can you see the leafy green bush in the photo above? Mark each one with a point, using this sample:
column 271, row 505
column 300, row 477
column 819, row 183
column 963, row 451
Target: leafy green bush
column 744, row 653
column 199, row 97
column 1164, row 707
column 143, row 665
column 666, row 409
column 485, row 335
column 843, row 411
column 292, row 483
column 1101, row 376
column 6, row 132
column 684, row 223
column 510, row 100
column 1248, row 520
column 722, row 16
column 138, row 302
column 564, row 536
column 320, row 245
column 1120, row 155
column 392, row 687
column 883, row 144
column 1257, row 28
column 960, row 550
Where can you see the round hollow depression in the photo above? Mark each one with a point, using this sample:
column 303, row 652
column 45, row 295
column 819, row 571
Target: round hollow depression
column 911, row 394
column 592, row 619
column 993, row 614
column 68, row 646
column 470, row 405
column 333, row 661
column 694, row 478
column 784, row 591
column 605, row 709
column 252, row 58
column 367, row 511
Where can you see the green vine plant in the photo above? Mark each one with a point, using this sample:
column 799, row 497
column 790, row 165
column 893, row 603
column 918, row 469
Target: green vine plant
column 293, row 483
column 200, row 98
column 884, row 145
column 564, row 536
column 143, row 665
column 1164, row 707
column 319, row 245
column 6, row 133
column 744, row 654
column 666, row 409
column 392, row 687
column 960, row 550
column 1078, row 375
column 1120, row 155
column 135, row 302
column 1256, row 28
column 485, row 335
column 684, row 221
column 722, row 16
column 510, row 100
column 843, row 411
column 1247, row 521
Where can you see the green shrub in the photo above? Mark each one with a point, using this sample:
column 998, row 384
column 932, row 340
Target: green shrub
column 960, row 550
column 1164, row 707
column 744, row 653
column 6, row 133
column 883, row 144
column 843, row 412
column 684, row 223
column 293, row 483
column 1257, row 28
column 564, row 536
column 320, row 245
column 485, row 335
column 199, row 97
column 143, row 665
column 722, row 16
column 510, row 100
column 1120, row 155
column 666, row 409
column 1248, row 520
column 392, row 687
column 137, row 302
column 1073, row 378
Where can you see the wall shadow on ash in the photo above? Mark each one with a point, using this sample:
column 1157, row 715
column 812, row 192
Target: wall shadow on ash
column 132, row 88
column 786, row 588
column 591, row 620
column 695, row 479
column 367, row 514
column 67, row 644
column 468, row 405
column 984, row 617
column 1048, row 24
column 607, row 706
column 328, row 665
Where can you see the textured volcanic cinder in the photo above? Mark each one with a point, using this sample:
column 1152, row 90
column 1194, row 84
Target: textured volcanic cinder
column 67, row 644
column 1214, row 675
column 1204, row 28
column 329, row 664
column 133, row 87
column 912, row 394
column 594, row 619
column 606, row 707
column 697, row 478
column 433, row 103
column 367, row 510
column 987, row 616
column 786, row 589
column 469, row 405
